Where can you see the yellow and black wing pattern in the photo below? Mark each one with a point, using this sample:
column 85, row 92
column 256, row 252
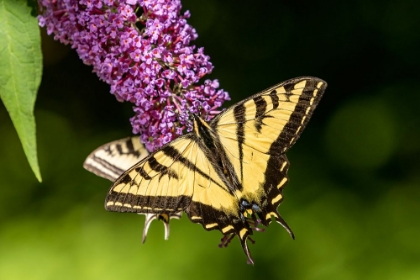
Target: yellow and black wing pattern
column 111, row 160
column 227, row 174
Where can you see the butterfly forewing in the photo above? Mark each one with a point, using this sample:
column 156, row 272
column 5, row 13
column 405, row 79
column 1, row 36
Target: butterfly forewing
column 256, row 132
column 172, row 178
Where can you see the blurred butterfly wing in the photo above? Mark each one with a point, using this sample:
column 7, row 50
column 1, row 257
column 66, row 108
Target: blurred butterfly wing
column 109, row 161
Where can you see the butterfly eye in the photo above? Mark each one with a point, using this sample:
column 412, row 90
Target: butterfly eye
column 256, row 208
column 245, row 204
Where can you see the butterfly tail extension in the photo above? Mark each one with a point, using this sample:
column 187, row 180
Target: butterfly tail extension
column 149, row 218
column 165, row 218
column 283, row 223
column 271, row 212
column 243, row 236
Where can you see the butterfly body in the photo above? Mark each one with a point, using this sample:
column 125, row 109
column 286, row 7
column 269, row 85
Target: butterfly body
column 229, row 173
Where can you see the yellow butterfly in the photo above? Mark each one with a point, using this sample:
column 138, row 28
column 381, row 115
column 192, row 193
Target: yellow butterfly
column 229, row 173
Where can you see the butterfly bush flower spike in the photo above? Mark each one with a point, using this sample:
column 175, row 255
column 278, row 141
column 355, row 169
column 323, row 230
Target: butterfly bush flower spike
column 142, row 49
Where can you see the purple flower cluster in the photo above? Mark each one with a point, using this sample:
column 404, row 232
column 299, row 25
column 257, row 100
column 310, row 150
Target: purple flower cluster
column 142, row 49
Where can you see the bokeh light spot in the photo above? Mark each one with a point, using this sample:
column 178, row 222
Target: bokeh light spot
column 362, row 134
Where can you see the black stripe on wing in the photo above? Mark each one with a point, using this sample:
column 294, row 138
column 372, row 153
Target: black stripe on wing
column 300, row 117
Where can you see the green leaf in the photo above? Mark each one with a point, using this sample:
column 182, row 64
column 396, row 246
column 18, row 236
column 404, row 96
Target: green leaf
column 20, row 71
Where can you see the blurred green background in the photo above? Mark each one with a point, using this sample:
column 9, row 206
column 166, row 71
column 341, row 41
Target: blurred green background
column 353, row 199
